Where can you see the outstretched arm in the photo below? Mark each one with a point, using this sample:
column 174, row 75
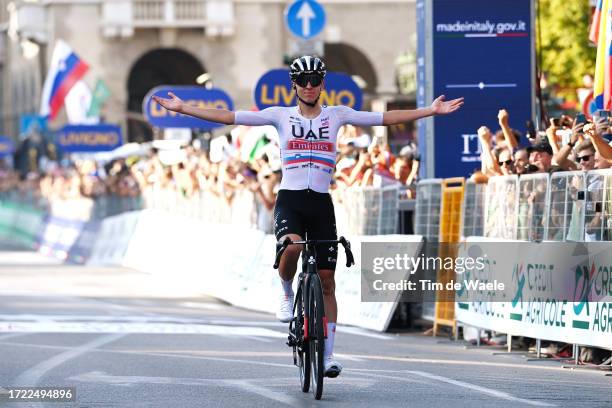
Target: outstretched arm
column 212, row 115
column 438, row 107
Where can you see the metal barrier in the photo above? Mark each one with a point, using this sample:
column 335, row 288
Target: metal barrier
column 598, row 206
column 110, row 205
column 500, row 207
column 362, row 211
column 371, row 210
column 532, row 207
column 428, row 204
column 473, row 209
column 427, row 224
column 566, row 207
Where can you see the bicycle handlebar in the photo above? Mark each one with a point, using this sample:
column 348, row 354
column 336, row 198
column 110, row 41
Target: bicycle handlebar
column 350, row 260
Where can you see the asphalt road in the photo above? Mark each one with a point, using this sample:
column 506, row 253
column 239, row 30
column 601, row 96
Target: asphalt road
column 125, row 339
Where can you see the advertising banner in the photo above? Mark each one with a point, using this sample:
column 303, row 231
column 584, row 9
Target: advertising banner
column 480, row 50
column 89, row 138
column 554, row 291
column 198, row 96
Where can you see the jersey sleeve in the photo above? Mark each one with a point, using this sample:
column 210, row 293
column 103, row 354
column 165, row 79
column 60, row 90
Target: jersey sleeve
column 359, row 118
column 268, row 116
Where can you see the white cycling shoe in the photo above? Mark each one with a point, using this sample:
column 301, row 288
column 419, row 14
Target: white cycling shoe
column 332, row 367
column 285, row 310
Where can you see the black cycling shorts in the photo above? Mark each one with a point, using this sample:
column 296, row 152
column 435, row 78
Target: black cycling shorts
column 301, row 211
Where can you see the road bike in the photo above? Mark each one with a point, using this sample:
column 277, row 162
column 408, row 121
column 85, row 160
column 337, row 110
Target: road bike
column 308, row 329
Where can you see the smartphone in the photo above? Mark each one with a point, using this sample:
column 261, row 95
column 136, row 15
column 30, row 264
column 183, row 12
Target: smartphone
column 580, row 119
column 581, row 195
column 603, row 113
column 598, row 207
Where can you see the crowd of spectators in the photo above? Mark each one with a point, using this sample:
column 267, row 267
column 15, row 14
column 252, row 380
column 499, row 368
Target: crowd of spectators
column 567, row 144
column 247, row 160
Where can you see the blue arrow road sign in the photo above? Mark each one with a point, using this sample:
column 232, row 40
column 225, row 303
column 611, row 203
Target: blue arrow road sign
column 305, row 18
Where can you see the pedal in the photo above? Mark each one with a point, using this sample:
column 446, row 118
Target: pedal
column 291, row 341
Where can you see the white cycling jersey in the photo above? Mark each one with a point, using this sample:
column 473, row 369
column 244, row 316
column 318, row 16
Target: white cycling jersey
column 308, row 146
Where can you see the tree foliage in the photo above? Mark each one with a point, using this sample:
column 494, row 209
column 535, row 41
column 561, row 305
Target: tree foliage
column 566, row 52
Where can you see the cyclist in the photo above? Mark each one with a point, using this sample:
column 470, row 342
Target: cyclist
column 307, row 135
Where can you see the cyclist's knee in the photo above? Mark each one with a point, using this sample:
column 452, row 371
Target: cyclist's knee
column 292, row 251
column 327, row 281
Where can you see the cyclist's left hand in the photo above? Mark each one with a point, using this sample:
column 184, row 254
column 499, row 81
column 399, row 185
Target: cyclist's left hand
column 441, row 107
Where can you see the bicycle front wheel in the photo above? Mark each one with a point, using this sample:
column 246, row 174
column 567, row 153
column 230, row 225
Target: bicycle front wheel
column 316, row 338
column 302, row 348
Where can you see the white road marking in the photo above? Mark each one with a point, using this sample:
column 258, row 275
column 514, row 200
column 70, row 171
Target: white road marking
column 14, row 319
column 265, row 392
column 31, row 376
column 483, row 390
column 99, row 377
column 97, row 318
column 249, row 322
column 462, row 362
column 462, row 384
column 365, row 357
column 129, row 327
column 246, row 385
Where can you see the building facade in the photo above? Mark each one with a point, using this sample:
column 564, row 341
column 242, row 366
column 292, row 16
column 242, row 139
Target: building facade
column 135, row 45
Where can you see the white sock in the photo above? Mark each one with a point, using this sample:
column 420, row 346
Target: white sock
column 287, row 287
column 329, row 341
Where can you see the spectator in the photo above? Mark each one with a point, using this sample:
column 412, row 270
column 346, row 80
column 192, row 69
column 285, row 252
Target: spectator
column 521, row 161
column 540, row 155
column 506, row 163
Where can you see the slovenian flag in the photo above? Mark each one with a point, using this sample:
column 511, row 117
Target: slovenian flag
column 601, row 34
column 65, row 70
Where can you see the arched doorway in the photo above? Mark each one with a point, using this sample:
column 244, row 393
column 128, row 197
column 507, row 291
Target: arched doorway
column 348, row 59
column 168, row 66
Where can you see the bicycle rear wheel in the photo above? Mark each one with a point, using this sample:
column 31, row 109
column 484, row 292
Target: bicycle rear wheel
column 316, row 337
column 302, row 347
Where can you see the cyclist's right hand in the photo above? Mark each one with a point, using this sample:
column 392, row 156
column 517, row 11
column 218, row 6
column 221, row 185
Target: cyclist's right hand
column 174, row 103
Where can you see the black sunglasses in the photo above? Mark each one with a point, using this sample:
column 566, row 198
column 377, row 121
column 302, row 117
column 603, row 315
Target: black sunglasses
column 303, row 80
column 584, row 158
column 507, row 162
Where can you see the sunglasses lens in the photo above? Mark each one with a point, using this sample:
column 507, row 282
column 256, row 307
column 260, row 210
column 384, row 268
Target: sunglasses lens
column 314, row 80
column 303, row 80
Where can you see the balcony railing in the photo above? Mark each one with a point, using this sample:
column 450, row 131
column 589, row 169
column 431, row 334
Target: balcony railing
column 121, row 17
